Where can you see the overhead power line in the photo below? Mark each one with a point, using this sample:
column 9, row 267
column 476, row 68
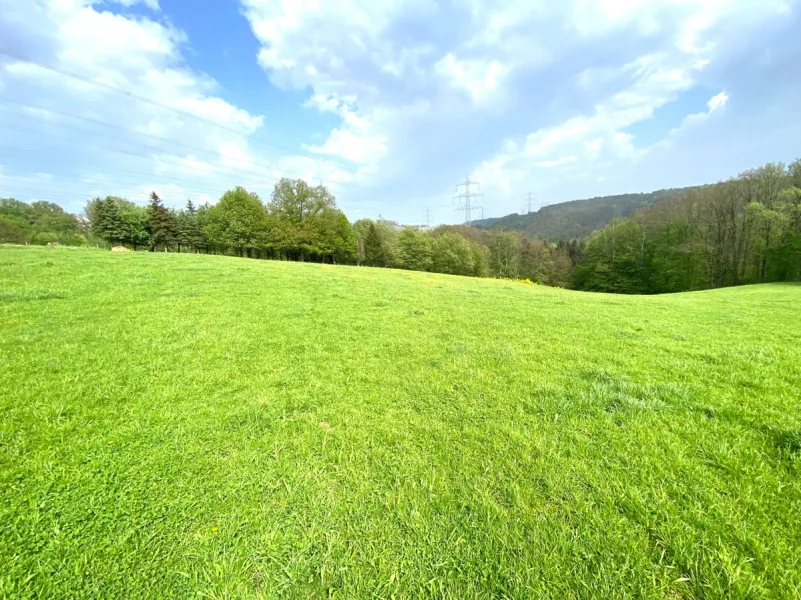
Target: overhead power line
column 215, row 170
column 187, row 181
column 93, row 168
column 212, row 153
column 173, row 109
column 159, row 152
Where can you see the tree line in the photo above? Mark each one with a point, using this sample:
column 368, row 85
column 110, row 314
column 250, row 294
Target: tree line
column 39, row 223
column 744, row 230
column 463, row 250
column 302, row 223
column 299, row 222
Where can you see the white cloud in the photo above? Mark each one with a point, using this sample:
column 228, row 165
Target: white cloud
column 718, row 101
column 187, row 156
column 654, row 82
column 598, row 17
column 507, row 91
column 151, row 4
column 324, row 102
column 715, row 104
column 479, row 78
column 352, row 146
column 523, row 95
column 562, row 160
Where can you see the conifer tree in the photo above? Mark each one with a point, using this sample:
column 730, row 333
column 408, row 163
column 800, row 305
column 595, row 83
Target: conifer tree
column 107, row 221
column 375, row 254
column 161, row 224
column 189, row 233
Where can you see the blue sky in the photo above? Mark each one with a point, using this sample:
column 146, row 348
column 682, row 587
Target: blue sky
column 392, row 103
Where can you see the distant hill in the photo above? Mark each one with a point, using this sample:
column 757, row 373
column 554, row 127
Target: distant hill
column 577, row 218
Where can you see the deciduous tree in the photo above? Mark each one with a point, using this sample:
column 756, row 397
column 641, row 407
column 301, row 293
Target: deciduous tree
column 415, row 250
column 238, row 221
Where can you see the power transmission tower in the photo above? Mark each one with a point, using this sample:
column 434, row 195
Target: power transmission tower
column 428, row 217
column 530, row 197
column 469, row 199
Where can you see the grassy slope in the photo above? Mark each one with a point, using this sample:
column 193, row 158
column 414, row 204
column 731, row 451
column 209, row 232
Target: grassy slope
column 179, row 426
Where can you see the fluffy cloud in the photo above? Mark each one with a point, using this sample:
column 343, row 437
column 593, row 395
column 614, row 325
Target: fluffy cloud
column 524, row 95
column 479, row 78
column 95, row 141
column 151, row 4
column 715, row 104
column 717, row 101
column 410, row 95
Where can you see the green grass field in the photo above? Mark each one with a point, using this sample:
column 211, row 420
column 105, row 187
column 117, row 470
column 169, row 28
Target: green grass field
column 184, row 426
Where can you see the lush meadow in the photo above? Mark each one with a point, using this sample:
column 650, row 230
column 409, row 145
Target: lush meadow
column 192, row 426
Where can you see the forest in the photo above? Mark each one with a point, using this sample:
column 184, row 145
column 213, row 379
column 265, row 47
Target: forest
column 743, row 230
column 576, row 219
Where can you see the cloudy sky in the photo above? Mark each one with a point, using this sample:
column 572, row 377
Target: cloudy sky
column 391, row 103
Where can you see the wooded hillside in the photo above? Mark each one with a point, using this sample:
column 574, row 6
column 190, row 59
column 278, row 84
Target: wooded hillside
column 578, row 218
